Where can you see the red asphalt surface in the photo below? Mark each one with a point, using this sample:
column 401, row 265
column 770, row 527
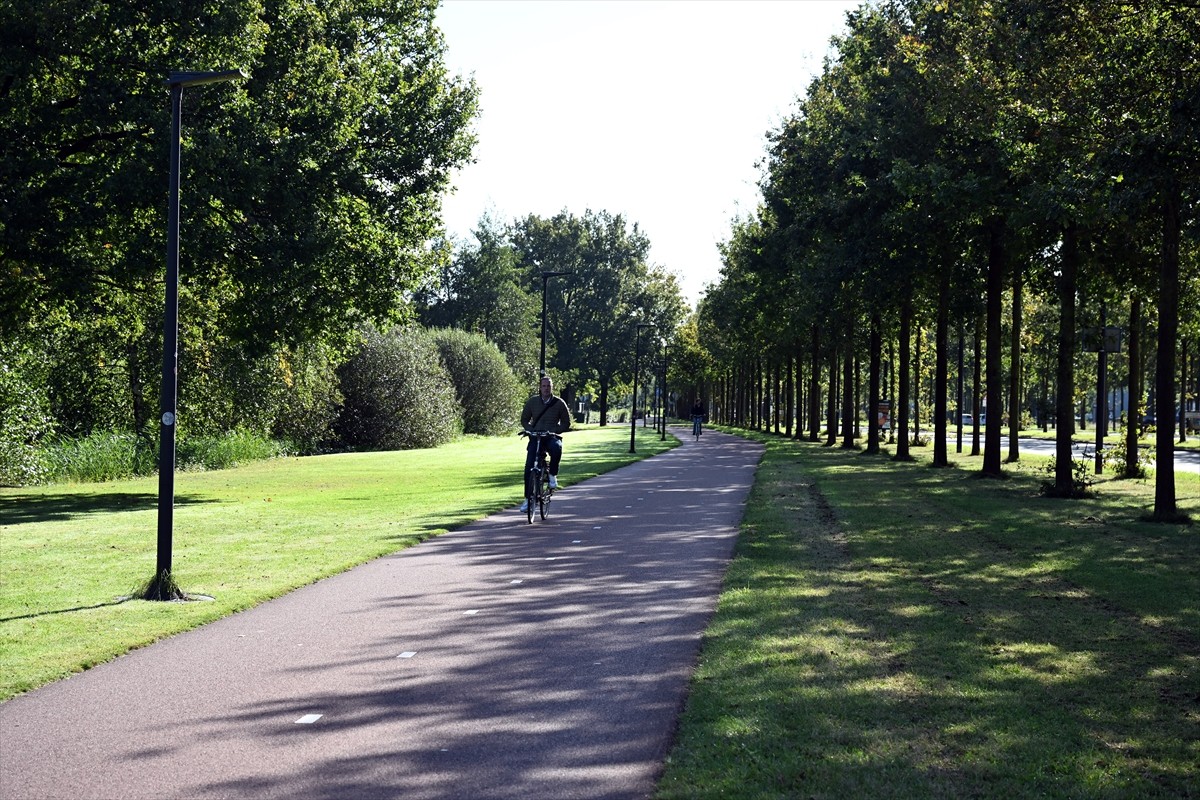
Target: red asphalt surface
column 500, row 660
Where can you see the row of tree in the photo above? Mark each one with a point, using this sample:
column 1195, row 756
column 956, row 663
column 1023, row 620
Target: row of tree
column 955, row 157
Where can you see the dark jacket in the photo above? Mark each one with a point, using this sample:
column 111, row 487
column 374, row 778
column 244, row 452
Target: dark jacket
column 537, row 417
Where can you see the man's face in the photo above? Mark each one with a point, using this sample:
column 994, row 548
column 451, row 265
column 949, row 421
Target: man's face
column 547, row 389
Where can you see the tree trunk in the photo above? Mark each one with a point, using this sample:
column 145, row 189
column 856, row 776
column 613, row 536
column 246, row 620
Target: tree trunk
column 941, row 377
column 756, row 396
column 992, row 367
column 832, row 402
column 1183, row 384
column 857, row 396
column 1164, row 374
column 901, row 410
column 800, row 397
column 1064, row 402
column 777, row 393
column 1014, row 376
column 603, row 402
column 916, row 385
column 977, row 385
column 748, row 415
column 876, row 357
column 814, row 388
column 735, row 394
column 789, row 400
column 753, row 393
column 893, row 404
column 958, row 379
column 1133, row 419
column 765, row 397
column 848, row 414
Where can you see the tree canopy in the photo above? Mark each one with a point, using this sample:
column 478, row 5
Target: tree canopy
column 310, row 191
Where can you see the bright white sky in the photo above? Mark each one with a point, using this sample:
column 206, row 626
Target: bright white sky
column 657, row 110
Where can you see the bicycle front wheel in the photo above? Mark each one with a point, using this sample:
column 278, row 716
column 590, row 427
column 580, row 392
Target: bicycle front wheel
column 530, row 499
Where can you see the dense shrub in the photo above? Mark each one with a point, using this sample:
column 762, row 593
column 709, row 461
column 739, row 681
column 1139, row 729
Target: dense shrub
column 310, row 402
column 225, row 450
column 230, row 405
column 488, row 392
column 99, row 456
column 396, row 394
column 24, row 421
column 287, row 393
column 116, row 455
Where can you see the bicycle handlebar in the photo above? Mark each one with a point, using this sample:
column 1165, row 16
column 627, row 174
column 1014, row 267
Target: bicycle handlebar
column 540, row 434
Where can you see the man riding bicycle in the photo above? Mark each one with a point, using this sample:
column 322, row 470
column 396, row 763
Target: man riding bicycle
column 545, row 412
column 697, row 416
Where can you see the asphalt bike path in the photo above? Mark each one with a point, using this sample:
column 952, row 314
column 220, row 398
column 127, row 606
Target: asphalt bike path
column 500, row 660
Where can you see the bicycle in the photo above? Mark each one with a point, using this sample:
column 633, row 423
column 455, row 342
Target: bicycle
column 697, row 421
column 537, row 480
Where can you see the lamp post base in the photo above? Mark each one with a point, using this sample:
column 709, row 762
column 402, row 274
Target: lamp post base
column 162, row 587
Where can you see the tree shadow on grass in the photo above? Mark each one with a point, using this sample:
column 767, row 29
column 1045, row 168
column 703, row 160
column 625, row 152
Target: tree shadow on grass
column 52, row 612
column 33, row 508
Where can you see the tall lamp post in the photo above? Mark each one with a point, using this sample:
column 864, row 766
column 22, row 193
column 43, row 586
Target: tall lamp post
column 545, row 277
column 662, row 417
column 637, row 352
column 163, row 587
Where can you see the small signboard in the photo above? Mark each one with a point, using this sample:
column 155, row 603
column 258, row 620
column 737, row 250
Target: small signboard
column 1101, row 340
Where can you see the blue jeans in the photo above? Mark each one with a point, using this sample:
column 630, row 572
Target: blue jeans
column 696, row 420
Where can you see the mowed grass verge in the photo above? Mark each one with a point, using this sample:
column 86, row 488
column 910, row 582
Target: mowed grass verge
column 70, row 553
column 892, row 630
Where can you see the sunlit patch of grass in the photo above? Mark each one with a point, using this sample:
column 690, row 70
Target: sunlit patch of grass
column 940, row 636
column 242, row 536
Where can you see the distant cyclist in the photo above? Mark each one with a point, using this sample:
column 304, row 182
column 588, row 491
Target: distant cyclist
column 697, row 417
column 545, row 412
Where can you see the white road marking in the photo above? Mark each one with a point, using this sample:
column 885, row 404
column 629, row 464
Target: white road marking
column 407, row 654
column 472, row 611
column 308, row 719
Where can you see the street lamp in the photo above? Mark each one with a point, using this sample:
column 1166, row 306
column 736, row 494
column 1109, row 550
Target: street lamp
column 545, row 277
column 163, row 587
column 662, row 417
column 637, row 352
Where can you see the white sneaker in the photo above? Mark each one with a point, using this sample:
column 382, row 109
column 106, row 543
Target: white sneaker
column 553, row 481
column 524, row 506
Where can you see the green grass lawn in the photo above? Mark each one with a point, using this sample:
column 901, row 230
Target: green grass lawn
column 69, row 553
column 896, row 631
